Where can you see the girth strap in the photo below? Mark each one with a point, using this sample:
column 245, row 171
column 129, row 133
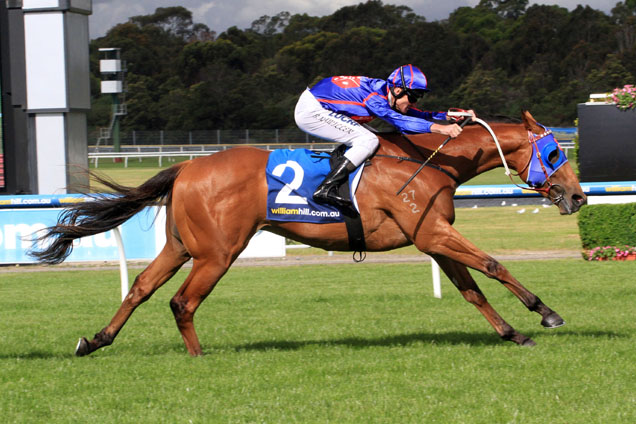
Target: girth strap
column 352, row 219
column 356, row 236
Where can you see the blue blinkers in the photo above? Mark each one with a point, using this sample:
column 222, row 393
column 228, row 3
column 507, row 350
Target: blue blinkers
column 550, row 154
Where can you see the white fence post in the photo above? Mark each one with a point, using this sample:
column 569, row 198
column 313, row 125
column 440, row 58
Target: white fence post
column 437, row 286
column 123, row 267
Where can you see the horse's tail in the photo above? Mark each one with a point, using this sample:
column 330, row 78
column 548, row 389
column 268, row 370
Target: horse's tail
column 101, row 213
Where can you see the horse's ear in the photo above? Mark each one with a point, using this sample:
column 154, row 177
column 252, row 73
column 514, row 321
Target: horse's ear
column 530, row 123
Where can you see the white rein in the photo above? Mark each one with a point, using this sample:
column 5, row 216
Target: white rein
column 492, row 133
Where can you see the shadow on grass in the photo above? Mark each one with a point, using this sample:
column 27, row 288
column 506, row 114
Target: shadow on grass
column 35, row 355
column 449, row 338
column 441, row 339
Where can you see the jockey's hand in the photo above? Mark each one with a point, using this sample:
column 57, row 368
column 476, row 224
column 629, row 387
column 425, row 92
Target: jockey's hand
column 452, row 130
column 472, row 113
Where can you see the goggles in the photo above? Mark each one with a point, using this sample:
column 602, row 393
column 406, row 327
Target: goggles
column 413, row 95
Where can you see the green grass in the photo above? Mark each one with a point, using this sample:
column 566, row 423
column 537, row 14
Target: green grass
column 356, row 343
column 503, row 230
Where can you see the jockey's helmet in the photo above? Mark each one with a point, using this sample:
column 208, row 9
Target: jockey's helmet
column 411, row 79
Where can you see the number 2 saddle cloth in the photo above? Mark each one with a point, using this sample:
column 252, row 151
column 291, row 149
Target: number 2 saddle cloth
column 292, row 178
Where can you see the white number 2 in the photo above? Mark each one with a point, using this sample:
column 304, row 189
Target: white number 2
column 284, row 195
column 407, row 199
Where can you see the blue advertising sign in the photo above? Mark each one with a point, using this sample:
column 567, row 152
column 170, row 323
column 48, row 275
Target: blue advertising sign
column 143, row 236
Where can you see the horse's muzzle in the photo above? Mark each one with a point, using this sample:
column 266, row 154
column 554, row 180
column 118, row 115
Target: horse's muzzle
column 567, row 204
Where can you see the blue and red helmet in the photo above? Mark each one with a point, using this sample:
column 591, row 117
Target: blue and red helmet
column 411, row 79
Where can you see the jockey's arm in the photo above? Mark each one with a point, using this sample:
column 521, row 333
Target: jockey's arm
column 423, row 114
column 453, row 130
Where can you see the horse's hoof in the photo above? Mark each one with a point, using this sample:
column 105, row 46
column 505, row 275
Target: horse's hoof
column 552, row 321
column 519, row 339
column 82, row 348
column 528, row 343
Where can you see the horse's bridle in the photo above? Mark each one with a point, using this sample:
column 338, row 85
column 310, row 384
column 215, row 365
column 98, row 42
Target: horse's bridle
column 554, row 192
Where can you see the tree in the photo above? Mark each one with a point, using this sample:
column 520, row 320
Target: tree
column 509, row 9
column 173, row 20
column 624, row 16
column 301, row 59
column 266, row 25
column 356, row 52
column 201, row 32
column 610, row 76
column 588, row 37
column 486, row 91
column 371, row 14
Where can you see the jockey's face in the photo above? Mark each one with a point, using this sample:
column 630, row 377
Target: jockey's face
column 403, row 104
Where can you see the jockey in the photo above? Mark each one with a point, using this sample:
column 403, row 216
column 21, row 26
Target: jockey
column 335, row 107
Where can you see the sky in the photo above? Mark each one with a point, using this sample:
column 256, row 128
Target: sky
column 219, row 15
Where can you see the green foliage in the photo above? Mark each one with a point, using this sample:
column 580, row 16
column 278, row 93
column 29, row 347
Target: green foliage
column 612, row 74
column 173, row 20
column 607, row 225
column 576, row 147
column 487, row 89
column 300, row 60
column 497, row 57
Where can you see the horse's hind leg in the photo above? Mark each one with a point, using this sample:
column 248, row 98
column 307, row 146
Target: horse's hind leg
column 461, row 278
column 160, row 270
column 197, row 286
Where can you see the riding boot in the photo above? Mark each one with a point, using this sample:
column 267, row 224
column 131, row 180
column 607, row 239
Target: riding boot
column 327, row 191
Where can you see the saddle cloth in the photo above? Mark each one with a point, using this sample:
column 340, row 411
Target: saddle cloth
column 292, row 178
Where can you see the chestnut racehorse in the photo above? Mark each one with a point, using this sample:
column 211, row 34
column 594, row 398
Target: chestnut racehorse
column 203, row 196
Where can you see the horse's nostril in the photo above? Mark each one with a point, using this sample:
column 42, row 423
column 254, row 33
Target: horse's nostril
column 579, row 200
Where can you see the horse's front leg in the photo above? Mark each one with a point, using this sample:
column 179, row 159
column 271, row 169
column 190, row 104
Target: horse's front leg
column 461, row 278
column 453, row 245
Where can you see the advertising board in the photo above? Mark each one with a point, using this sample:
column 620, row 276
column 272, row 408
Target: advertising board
column 143, row 236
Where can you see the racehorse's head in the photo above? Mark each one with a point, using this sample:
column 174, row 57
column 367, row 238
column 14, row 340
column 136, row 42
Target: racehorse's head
column 548, row 169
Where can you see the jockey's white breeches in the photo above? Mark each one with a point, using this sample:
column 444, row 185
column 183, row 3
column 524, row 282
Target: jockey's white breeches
column 312, row 118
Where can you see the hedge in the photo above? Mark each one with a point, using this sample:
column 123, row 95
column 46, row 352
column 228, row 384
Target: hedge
column 607, row 225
